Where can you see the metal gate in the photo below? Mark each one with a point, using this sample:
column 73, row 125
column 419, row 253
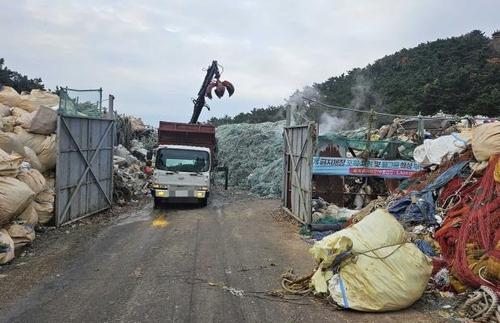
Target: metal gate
column 298, row 161
column 84, row 169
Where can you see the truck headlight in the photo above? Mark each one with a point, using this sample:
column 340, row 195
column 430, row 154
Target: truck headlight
column 161, row 193
column 203, row 188
column 162, row 186
column 200, row 194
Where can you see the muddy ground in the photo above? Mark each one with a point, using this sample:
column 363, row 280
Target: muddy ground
column 176, row 264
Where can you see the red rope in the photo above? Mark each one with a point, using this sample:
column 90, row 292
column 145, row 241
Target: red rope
column 480, row 227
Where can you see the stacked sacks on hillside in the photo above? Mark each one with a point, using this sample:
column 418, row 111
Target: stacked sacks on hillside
column 27, row 162
column 450, row 211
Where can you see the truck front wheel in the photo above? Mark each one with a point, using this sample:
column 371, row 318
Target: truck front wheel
column 157, row 203
column 204, row 201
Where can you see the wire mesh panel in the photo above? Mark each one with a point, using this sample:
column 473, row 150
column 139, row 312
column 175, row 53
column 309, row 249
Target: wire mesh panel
column 84, row 170
column 82, row 103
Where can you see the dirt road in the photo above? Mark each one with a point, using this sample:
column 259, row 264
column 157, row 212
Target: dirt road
column 170, row 265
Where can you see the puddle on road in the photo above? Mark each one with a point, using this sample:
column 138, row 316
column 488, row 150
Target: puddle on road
column 157, row 219
column 159, row 222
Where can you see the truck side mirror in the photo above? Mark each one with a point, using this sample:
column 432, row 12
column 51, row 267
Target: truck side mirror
column 149, row 155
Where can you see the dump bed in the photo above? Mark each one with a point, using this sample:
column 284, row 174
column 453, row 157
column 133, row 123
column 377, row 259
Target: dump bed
column 188, row 134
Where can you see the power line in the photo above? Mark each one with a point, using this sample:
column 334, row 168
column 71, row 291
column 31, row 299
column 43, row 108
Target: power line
column 374, row 112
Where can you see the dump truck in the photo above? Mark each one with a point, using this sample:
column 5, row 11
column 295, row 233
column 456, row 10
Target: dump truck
column 183, row 163
column 185, row 157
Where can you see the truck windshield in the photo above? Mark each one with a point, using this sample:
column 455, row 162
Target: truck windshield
column 182, row 160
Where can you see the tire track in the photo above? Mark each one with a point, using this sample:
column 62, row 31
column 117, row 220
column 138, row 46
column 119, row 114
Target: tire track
column 193, row 269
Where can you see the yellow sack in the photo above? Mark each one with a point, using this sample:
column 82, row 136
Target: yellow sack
column 390, row 278
column 29, row 215
column 29, row 102
column 15, row 196
column 486, row 140
column 48, row 153
column 30, row 140
column 21, row 234
column 6, row 247
column 33, row 178
column 9, row 164
column 44, row 206
column 23, row 118
column 10, row 97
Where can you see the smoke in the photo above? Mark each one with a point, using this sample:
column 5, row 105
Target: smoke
column 299, row 107
column 329, row 123
column 364, row 98
column 331, row 120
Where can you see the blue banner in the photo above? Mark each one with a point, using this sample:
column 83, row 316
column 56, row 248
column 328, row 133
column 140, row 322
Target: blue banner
column 363, row 168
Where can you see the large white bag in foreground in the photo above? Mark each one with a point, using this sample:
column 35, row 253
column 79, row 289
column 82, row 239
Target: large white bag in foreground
column 390, row 278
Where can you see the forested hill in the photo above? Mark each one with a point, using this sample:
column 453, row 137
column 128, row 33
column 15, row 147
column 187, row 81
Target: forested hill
column 455, row 75
column 18, row 81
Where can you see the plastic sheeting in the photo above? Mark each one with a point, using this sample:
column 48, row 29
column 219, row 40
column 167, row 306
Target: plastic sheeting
column 253, row 154
column 422, row 209
column 387, row 149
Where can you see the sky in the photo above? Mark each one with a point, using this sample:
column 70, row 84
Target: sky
column 150, row 54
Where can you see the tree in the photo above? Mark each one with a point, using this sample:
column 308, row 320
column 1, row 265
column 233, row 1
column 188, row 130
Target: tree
column 18, row 81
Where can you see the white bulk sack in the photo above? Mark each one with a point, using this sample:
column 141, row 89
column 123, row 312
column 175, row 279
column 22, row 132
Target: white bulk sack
column 384, row 271
column 439, row 150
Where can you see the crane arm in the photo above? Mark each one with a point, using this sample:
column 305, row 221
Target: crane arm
column 199, row 103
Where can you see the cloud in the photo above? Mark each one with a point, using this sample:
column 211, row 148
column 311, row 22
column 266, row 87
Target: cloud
column 151, row 54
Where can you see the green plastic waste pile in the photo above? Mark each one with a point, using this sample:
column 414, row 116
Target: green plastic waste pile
column 253, row 154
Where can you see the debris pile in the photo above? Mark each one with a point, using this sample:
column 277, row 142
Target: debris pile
column 27, row 163
column 133, row 134
column 130, row 181
column 134, row 139
column 449, row 212
column 253, row 154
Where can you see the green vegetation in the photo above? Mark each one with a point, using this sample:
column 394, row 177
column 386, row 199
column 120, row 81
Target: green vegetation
column 271, row 113
column 18, row 81
column 458, row 75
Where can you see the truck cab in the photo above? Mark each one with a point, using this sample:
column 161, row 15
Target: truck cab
column 181, row 174
column 183, row 162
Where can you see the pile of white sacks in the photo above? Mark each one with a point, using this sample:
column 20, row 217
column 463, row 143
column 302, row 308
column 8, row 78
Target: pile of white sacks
column 27, row 162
